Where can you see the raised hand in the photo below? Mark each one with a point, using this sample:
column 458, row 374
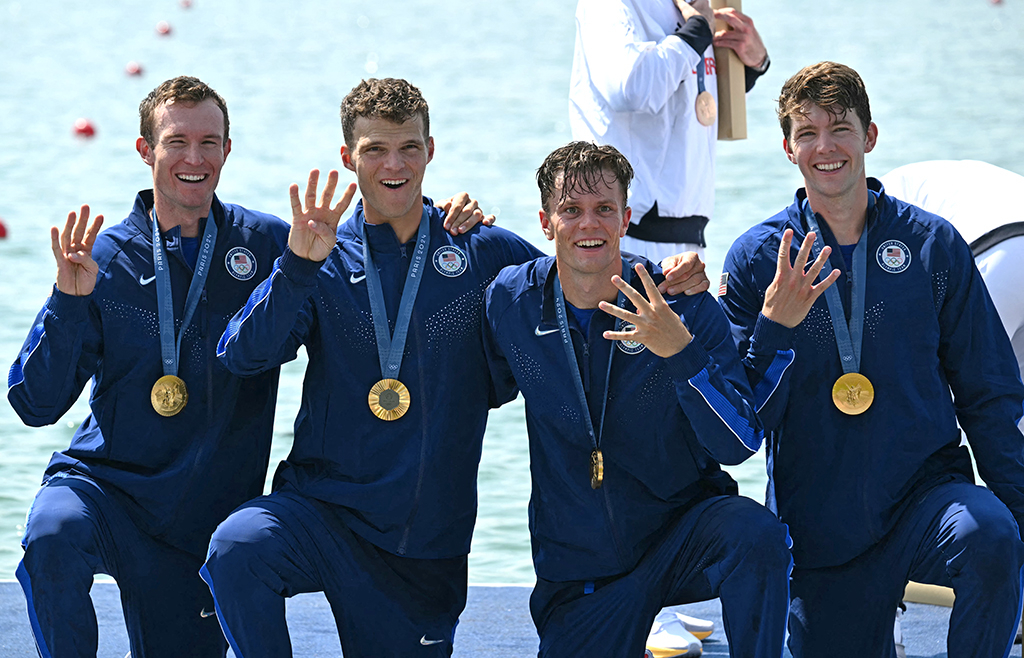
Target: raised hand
column 741, row 36
column 657, row 325
column 315, row 226
column 793, row 292
column 463, row 214
column 684, row 274
column 72, row 249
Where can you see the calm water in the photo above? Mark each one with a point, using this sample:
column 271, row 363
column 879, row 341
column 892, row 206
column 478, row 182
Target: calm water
column 945, row 79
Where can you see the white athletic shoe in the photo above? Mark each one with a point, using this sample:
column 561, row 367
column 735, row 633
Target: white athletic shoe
column 897, row 634
column 699, row 628
column 669, row 637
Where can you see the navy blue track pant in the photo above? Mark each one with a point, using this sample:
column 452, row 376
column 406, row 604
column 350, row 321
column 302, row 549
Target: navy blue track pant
column 284, row 544
column 958, row 535
column 75, row 530
column 730, row 547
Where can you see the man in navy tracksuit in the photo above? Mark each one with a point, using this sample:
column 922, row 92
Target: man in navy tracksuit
column 866, row 464
column 376, row 503
column 630, row 511
column 138, row 492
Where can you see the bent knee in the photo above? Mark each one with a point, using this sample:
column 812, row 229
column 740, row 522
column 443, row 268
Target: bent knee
column 239, row 539
column 51, row 532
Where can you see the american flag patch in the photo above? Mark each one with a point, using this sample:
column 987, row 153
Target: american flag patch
column 723, row 284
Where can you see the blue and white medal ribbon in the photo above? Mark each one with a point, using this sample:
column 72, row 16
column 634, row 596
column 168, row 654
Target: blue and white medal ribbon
column 389, row 398
column 852, row 393
column 705, row 106
column 596, row 456
column 169, row 394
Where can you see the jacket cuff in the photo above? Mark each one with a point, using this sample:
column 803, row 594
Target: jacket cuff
column 697, row 34
column 298, row 270
column 685, row 365
column 770, row 336
column 70, row 308
column 751, row 73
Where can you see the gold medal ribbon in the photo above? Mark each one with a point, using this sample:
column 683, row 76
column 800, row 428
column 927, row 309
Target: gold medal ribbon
column 389, row 399
column 852, row 393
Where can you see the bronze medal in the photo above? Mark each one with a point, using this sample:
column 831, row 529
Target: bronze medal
column 389, row 399
column 596, row 469
column 706, row 108
column 853, row 393
column 169, row 395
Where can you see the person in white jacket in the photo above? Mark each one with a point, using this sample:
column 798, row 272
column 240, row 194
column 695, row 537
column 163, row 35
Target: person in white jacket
column 638, row 68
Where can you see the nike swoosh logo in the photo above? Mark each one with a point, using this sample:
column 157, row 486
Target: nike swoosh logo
column 144, row 281
column 204, row 613
column 544, row 332
column 424, row 641
column 352, row 278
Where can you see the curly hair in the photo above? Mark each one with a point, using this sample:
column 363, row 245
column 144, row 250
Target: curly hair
column 183, row 89
column 581, row 165
column 389, row 98
column 835, row 88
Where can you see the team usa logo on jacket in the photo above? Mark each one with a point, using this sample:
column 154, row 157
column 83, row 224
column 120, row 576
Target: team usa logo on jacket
column 629, row 346
column 450, row 261
column 240, row 263
column 893, row 256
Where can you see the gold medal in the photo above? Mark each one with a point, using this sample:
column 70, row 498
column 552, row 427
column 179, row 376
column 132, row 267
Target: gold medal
column 596, row 469
column 389, row 399
column 169, row 395
column 853, row 393
column 706, row 108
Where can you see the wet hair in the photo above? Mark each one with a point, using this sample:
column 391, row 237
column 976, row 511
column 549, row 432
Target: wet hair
column 581, row 165
column 835, row 88
column 183, row 89
column 389, row 98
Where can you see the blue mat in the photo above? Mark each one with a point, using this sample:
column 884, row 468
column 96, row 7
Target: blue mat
column 495, row 624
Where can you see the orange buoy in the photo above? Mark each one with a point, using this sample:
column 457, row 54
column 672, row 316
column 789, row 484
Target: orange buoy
column 133, row 68
column 84, row 128
column 163, row 28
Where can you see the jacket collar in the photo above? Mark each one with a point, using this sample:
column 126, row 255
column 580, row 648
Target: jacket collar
column 546, row 271
column 140, row 216
column 381, row 237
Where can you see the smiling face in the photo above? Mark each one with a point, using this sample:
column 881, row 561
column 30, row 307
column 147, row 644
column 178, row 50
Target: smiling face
column 188, row 153
column 389, row 160
column 829, row 149
column 586, row 226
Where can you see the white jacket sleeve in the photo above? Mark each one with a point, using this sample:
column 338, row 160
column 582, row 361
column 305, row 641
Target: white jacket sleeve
column 633, row 72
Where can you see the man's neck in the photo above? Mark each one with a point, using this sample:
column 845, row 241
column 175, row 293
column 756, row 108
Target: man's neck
column 587, row 290
column 845, row 216
column 187, row 220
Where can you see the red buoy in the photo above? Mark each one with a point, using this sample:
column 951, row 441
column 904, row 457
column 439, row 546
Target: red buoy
column 186, row 4
column 133, row 68
column 3, row 229
column 163, row 28
column 84, row 128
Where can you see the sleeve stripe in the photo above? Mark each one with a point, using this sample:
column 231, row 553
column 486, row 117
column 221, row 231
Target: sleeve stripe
column 726, row 412
column 250, row 306
column 17, row 374
column 772, row 377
